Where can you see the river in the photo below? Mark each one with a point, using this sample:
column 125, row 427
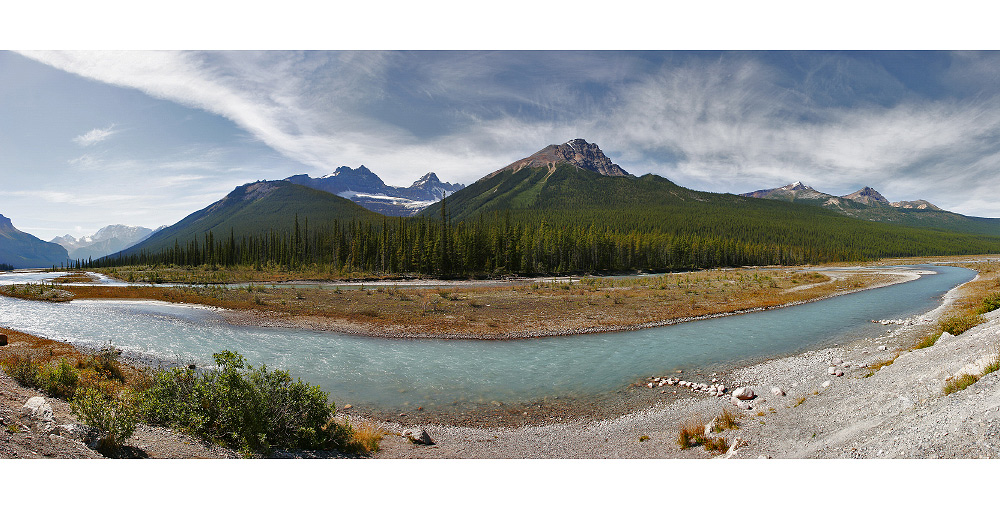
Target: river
column 403, row 374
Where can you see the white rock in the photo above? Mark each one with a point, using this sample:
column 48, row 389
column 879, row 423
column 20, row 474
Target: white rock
column 838, row 373
column 838, row 361
column 826, row 384
column 777, row 391
column 418, row 436
column 743, row 393
column 37, row 408
column 881, row 347
column 831, row 370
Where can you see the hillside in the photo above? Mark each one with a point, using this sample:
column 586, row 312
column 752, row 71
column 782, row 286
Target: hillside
column 870, row 205
column 21, row 250
column 254, row 210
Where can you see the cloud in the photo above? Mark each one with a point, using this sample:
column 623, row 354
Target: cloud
column 728, row 122
column 93, row 136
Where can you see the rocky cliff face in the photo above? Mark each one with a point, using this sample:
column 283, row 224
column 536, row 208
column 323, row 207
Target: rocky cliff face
column 578, row 152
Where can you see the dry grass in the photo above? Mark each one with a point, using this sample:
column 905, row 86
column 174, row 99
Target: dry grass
column 517, row 309
column 881, row 364
column 692, row 433
column 964, row 381
column 726, row 420
column 960, row 383
column 365, row 437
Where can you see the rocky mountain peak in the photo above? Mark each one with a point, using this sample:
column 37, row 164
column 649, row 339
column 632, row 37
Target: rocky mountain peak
column 867, row 196
column 578, row 152
column 429, row 179
column 5, row 223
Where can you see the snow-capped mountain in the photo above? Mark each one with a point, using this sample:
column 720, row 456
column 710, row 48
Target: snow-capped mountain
column 365, row 188
column 107, row 240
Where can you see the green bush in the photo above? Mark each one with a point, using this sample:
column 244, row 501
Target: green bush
column 956, row 325
column 115, row 417
column 251, row 409
column 990, row 303
column 60, row 380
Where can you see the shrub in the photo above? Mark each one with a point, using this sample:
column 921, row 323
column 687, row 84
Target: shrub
column 60, row 380
column 114, row 417
column 251, row 409
column 956, row 325
column 23, row 369
column 990, row 303
column 960, row 383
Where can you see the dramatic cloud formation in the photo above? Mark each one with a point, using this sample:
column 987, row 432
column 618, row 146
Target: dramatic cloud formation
column 915, row 125
column 94, row 136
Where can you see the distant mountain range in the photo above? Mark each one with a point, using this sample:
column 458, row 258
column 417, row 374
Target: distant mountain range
column 21, row 250
column 107, row 240
column 365, row 188
column 869, row 204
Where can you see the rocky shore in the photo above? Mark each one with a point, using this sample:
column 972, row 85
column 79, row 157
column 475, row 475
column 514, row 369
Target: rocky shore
column 843, row 402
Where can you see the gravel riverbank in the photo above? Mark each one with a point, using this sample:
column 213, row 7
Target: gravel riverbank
column 898, row 411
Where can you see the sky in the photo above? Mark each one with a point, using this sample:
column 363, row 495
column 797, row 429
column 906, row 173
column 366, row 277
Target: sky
column 98, row 137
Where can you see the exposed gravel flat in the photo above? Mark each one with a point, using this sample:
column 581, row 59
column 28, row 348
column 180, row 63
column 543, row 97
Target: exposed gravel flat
column 899, row 411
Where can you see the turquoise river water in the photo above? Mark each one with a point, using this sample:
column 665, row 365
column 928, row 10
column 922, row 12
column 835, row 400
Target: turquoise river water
column 401, row 374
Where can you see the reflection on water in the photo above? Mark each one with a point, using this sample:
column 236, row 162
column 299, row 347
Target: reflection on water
column 406, row 373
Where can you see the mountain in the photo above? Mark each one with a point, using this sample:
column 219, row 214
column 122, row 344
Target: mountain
column 256, row 209
column 869, row 204
column 579, row 153
column 365, row 188
column 22, row 250
column 574, row 175
column 107, row 240
column 867, row 196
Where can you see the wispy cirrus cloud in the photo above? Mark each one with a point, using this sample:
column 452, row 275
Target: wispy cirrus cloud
column 728, row 122
column 94, row 136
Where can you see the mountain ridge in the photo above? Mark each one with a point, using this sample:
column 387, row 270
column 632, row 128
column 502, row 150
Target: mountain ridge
column 367, row 189
column 23, row 251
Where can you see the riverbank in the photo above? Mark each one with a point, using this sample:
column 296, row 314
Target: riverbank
column 501, row 310
column 889, row 403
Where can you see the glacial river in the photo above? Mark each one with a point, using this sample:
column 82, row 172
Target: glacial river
column 393, row 374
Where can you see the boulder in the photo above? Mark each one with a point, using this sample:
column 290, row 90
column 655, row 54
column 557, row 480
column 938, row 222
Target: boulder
column 3, row 340
column 881, row 348
column 418, row 436
column 838, row 373
column 831, row 370
column 744, row 393
column 826, row 384
column 777, row 391
column 37, row 408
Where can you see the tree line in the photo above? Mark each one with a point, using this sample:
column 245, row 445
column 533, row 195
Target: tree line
column 556, row 242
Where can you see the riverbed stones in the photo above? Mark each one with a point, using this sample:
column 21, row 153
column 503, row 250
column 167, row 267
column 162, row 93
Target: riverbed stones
column 418, row 436
column 744, row 393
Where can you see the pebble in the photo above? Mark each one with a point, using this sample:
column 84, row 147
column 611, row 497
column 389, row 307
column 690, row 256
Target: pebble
column 826, row 384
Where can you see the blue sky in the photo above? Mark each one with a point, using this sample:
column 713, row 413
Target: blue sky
column 90, row 138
